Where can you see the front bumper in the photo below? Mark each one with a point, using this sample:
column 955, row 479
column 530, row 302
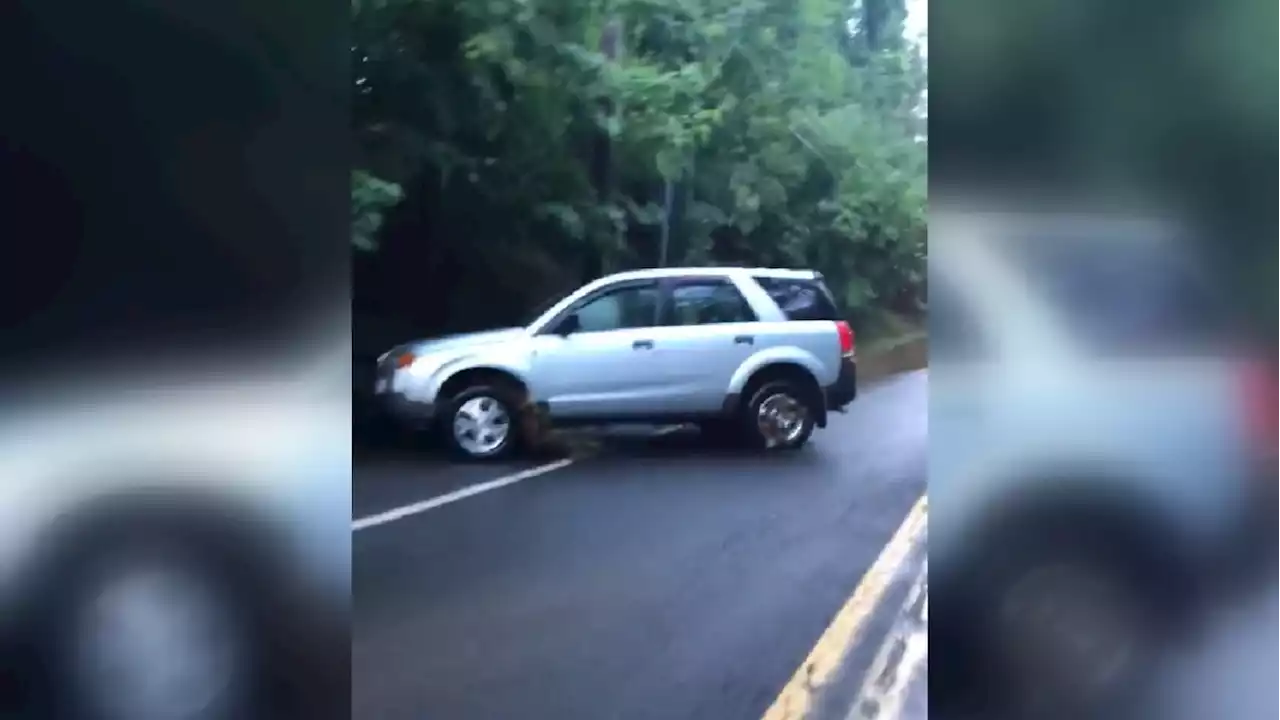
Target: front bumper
column 406, row 411
column 845, row 388
column 388, row 402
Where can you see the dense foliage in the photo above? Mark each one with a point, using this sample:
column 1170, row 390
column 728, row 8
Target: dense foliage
column 508, row 149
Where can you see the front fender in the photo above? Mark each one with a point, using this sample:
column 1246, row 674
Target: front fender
column 429, row 382
column 772, row 356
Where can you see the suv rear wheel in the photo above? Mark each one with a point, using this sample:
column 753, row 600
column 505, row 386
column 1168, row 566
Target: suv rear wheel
column 778, row 416
column 1064, row 624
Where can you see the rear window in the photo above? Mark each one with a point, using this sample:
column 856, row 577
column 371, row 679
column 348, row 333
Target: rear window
column 1122, row 294
column 801, row 299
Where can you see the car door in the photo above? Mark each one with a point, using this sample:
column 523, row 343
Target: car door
column 708, row 331
column 609, row 367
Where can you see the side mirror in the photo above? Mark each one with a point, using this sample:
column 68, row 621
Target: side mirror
column 569, row 325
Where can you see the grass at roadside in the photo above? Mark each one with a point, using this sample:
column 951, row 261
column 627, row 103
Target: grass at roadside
column 893, row 355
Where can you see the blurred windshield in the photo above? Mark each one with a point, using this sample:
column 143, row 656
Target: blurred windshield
column 542, row 307
column 1121, row 291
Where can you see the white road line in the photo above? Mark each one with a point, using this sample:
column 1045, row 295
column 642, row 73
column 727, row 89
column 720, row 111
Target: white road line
column 405, row 511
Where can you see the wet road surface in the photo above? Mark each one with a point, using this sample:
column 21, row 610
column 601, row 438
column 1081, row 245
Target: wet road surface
column 659, row 579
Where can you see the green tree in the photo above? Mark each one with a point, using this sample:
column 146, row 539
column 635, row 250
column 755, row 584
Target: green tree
column 533, row 158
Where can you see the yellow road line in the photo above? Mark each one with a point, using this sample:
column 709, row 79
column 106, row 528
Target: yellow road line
column 889, row 680
column 797, row 697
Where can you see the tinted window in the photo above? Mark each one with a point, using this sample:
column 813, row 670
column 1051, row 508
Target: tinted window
column 707, row 303
column 1121, row 294
column 628, row 307
column 801, row 299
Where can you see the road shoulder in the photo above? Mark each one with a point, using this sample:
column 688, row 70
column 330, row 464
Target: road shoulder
column 869, row 661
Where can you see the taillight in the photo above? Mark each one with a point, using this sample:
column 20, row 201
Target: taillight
column 404, row 360
column 1260, row 388
column 846, row 337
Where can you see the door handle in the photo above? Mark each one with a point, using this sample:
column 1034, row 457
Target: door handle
column 744, row 340
column 642, row 345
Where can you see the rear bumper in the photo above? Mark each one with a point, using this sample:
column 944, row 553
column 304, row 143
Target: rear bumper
column 845, row 388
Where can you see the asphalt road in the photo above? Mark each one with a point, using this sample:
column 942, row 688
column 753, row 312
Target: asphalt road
column 659, row 579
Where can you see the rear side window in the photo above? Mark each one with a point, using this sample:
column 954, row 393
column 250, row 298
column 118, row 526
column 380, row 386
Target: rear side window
column 707, row 302
column 801, row 299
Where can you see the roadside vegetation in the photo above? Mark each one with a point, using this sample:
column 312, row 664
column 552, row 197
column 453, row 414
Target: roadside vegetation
column 509, row 150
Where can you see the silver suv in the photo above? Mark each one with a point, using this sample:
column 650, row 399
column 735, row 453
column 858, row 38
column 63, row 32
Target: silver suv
column 1090, row 456
column 756, row 354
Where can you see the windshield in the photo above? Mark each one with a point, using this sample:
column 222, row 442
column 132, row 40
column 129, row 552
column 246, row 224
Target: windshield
column 543, row 307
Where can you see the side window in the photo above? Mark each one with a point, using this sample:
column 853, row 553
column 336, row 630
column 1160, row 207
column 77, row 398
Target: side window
column 707, row 303
column 635, row 306
column 801, row 299
column 954, row 333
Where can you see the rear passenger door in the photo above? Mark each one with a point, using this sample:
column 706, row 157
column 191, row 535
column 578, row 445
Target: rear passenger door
column 708, row 331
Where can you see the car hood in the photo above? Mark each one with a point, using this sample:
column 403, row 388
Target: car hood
column 462, row 341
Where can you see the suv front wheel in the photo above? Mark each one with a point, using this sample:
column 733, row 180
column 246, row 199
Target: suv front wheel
column 482, row 423
column 778, row 417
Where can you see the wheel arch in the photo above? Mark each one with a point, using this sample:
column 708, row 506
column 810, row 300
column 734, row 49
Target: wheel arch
column 779, row 369
column 1107, row 508
column 460, row 379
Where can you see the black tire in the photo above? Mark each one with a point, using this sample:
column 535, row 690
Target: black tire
column 1013, row 672
column 750, row 426
column 510, row 403
column 62, row 631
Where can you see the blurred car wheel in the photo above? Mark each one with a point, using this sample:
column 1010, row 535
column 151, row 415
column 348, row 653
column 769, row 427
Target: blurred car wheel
column 1069, row 625
column 152, row 627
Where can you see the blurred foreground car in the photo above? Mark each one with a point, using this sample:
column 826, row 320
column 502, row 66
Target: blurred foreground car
column 757, row 354
column 166, row 553
column 1093, row 439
